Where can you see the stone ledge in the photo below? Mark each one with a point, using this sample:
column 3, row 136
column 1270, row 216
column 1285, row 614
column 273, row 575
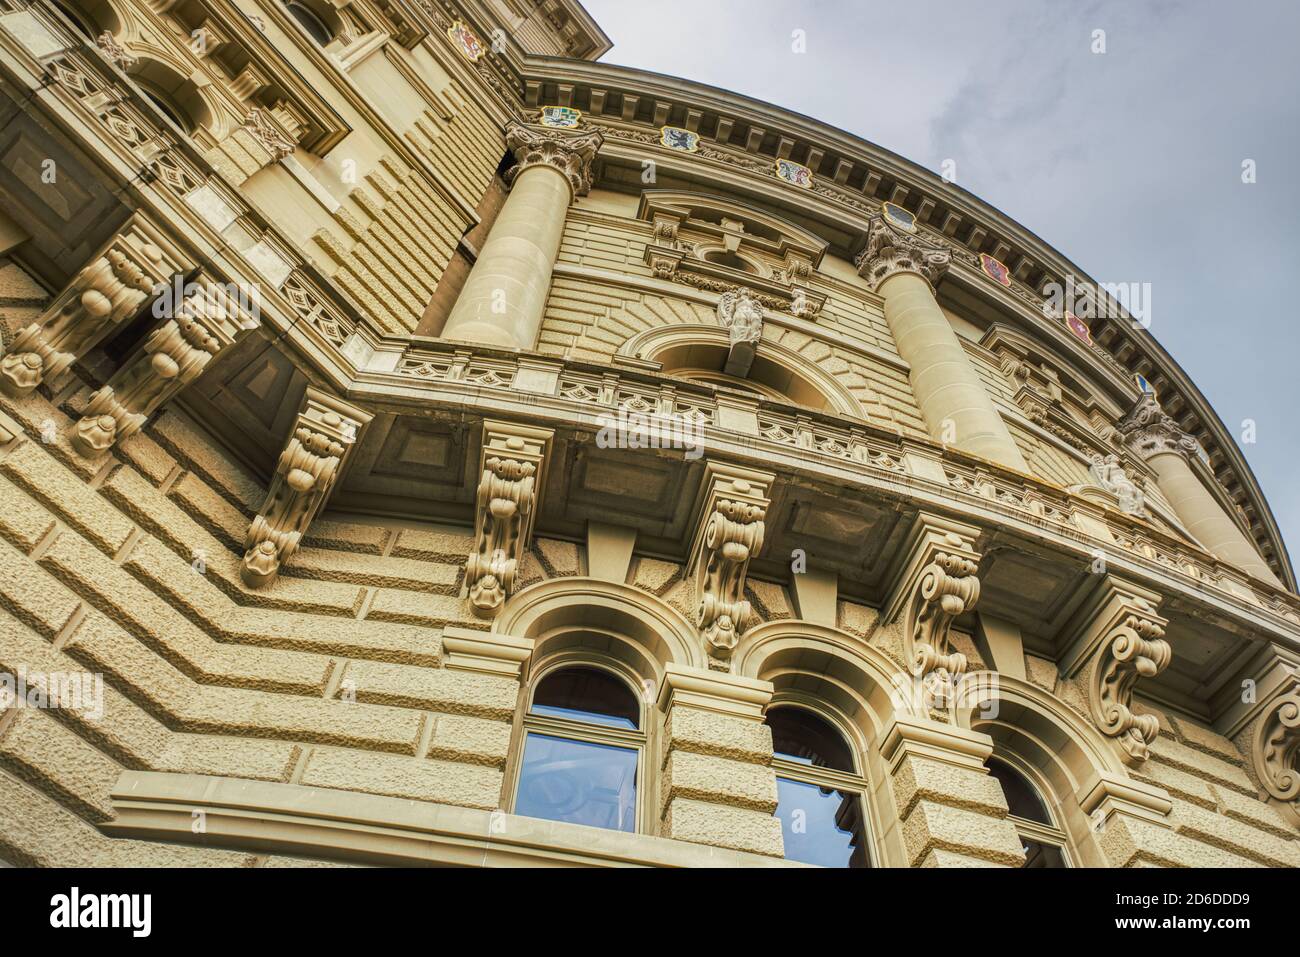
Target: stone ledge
column 294, row 820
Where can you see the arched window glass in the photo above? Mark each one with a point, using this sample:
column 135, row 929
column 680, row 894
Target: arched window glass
column 819, row 790
column 582, row 750
column 310, row 21
column 1043, row 841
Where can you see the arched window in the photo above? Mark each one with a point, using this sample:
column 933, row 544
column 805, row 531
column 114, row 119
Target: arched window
column 1043, row 840
column 310, row 21
column 583, row 750
column 819, row 790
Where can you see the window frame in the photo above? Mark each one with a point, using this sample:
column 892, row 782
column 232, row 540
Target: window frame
column 851, row 781
column 573, row 729
column 1053, row 834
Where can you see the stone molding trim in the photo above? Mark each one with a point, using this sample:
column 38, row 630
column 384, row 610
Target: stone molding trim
column 370, row 829
column 1148, row 431
column 1121, row 640
column 324, row 434
column 729, row 532
column 936, row 583
column 891, row 250
column 573, row 155
column 207, row 321
column 1275, row 750
column 97, row 303
column 511, row 467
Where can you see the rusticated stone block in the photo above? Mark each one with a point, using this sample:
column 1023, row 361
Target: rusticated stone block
column 53, row 759
column 446, row 782
column 702, row 777
column 718, row 825
column 23, row 520
column 917, row 779
column 939, row 827
column 65, row 494
column 471, row 740
column 451, row 692
column 709, row 732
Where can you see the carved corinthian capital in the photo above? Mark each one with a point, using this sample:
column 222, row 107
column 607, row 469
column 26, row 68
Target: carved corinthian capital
column 729, row 532
column 1276, row 748
column 207, row 320
column 1148, row 431
column 323, row 437
column 891, row 250
column 98, row 301
column 571, row 153
column 513, row 459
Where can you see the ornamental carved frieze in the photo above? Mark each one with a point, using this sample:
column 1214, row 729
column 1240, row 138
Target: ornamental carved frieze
column 729, row 533
column 99, row 301
column 207, row 320
column 573, row 154
column 1148, row 431
column 1276, row 748
column 309, row 467
column 891, row 250
column 512, row 461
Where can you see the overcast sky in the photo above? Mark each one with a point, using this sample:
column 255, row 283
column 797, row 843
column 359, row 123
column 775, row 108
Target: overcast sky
column 1129, row 162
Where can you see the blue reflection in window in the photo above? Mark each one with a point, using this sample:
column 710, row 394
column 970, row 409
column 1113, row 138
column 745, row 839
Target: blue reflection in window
column 578, row 782
column 820, row 826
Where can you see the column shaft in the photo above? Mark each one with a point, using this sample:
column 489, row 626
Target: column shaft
column 946, row 386
column 505, row 295
column 1205, row 518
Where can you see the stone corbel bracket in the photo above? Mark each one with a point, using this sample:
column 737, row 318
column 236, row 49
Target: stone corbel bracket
column 1276, row 748
column 324, row 434
column 729, row 532
column 511, row 472
column 935, row 583
column 102, row 298
column 1120, row 640
column 207, row 320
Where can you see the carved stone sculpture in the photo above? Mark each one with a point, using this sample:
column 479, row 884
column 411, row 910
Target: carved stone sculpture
column 512, row 461
column 731, row 533
column 1109, row 474
column 324, row 433
column 742, row 316
column 573, row 154
column 207, row 321
column 891, row 250
column 100, row 299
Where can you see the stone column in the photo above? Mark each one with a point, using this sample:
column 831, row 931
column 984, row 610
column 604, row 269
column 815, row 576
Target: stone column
column 1161, row 442
column 902, row 268
column 718, row 786
column 504, row 297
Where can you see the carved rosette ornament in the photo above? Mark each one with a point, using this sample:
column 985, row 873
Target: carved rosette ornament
column 1276, row 750
column 100, row 299
column 207, row 321
column 1133, row 648
column 114, row 52
column 1148, row 431
column 513, row 458
column 573, row 154
column 324, row 434
column 947, row 588
column 729, row 535
column 891, row 250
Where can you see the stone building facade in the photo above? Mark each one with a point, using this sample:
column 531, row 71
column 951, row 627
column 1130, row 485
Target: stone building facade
column 423, row 443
